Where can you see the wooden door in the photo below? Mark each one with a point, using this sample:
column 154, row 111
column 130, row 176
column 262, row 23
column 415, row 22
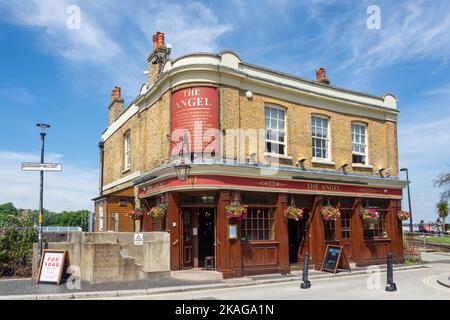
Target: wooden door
column 187, row 261
column 346, row 232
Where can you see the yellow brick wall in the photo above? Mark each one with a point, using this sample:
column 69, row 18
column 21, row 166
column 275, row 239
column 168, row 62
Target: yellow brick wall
column 150, row 135
column 382, row 135
column 149, row 142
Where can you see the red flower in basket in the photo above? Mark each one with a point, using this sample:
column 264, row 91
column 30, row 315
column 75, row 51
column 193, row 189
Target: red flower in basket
column 293, row 213
column 136, row 214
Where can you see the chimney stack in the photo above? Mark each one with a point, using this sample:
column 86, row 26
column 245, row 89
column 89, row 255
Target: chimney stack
column 321, row 76
column 159, row 47
column 116, row 106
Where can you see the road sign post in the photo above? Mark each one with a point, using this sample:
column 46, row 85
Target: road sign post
column 41, row 167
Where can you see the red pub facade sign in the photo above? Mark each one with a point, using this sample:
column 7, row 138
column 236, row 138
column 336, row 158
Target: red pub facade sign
column 194, row 116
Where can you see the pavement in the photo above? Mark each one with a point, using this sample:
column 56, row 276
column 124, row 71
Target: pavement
column 19, row 289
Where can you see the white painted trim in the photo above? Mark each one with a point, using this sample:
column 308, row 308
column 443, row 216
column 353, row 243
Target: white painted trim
column 360, row 165
column 323, row 161
column 124, row 117
column 127, row 178
column 276, row 155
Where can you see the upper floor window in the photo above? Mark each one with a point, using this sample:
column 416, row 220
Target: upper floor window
column 320, row 137
column 275, row 130
column 359, row 143
column 127, row 150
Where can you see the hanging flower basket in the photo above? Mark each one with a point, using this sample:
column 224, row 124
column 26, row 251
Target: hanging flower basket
column 136, row 214
column 158, row 211
column 236, row 211
column 293, row 213
column 403, row 215
column 330, row 213
column 369, row 215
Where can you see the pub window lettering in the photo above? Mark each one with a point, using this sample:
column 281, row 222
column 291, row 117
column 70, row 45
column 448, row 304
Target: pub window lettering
column 127, row 150
column 275, row 130
column 320, row 137
column 359, row 143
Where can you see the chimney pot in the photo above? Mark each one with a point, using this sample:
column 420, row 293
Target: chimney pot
column 159, row 37
column 116, row 93
column 155, row 42
column 321, row 75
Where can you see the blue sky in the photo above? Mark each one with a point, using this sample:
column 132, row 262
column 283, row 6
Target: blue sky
column 64, row 76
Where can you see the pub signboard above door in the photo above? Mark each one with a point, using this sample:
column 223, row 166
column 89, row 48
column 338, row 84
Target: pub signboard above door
column 255, row 184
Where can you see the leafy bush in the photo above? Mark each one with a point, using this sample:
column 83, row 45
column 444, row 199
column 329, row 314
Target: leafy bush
column 17, row 235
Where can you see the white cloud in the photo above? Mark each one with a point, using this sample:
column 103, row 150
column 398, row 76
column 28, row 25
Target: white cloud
column 114, row 40
column 17, row 94
column 423, row 149
column 71, row 189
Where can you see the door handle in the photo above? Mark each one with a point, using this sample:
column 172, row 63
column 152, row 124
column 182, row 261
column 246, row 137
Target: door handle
column 175, row 242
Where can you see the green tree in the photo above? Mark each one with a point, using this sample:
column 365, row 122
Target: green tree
column 442, row 209
column 8, row 208
column 78, row 218
column 443, row 181
column 17, row 235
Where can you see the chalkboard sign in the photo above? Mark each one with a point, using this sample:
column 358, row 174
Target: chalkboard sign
column 53, row 266
column 334, row 258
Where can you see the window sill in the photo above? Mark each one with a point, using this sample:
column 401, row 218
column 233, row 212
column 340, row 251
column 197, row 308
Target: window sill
column 276, row 155
column 362, row 166
column 323, row 161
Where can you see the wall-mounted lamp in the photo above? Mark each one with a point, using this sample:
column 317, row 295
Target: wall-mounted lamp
column 301, row 163
column 380, row 171
column 343, row 167
column 249, row 94
column 252, row 158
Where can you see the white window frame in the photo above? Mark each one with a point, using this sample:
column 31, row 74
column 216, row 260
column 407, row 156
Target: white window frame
column 284, row 143
column 127, row 150
column 327, row 139
column 365, row 144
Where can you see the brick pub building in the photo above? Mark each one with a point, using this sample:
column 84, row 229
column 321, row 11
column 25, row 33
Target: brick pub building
column 204, row 113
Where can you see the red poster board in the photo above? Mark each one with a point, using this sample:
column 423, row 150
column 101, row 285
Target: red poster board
column 52, row 266
column 194, row 114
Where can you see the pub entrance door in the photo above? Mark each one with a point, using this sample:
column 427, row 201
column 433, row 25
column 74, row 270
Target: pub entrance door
column 187, row 246
column 199, row 236
column 206, row 237
column 296, row 234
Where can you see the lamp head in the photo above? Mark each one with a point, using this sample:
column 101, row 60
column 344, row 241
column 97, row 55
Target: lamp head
column 403, row 169
column 43, row 126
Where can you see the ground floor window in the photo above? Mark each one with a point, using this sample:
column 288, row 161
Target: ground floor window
column 330, row 229
column 259, row 225
column 376, row 229
column 159, row 224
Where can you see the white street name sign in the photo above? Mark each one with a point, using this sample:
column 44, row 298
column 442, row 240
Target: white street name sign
column 36, row 166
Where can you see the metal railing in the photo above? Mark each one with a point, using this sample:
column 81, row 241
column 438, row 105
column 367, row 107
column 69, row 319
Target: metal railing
column 418, row 241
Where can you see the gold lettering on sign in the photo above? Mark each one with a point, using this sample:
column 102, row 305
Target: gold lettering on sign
column 322, row 187
column 191, row 99
column 271, row 184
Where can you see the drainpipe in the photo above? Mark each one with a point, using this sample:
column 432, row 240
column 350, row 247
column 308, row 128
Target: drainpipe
column 101, row 148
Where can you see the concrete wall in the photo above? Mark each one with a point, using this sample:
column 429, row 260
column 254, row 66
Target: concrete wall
column 109, row 256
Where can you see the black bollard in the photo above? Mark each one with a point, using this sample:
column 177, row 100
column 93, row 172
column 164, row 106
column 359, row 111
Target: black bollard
column 305, row 282
column 391, row 287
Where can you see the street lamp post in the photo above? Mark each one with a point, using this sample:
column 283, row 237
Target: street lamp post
column 43, row 127
column 409, row 201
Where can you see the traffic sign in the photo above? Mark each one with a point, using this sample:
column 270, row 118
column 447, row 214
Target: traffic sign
column 36, row 166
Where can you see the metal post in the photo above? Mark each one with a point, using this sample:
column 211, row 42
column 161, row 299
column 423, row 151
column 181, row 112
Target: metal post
column 305, row 282
column 409, row 204
column 391, row 287
column 41, row 200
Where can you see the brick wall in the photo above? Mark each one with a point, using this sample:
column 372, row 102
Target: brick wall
column 150, row 129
